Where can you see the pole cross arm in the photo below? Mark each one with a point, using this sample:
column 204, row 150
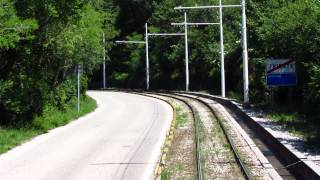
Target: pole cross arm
column 130, row 42
column 194, row 24
column 166, row 34
column 206, row 7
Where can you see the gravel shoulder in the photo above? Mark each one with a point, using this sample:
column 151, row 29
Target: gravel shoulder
column 180, row 160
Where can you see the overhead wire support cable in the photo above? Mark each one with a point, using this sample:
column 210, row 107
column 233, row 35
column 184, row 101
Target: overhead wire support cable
column 130, row 42
column 206, row 7
column 166, row 34
column 195, row 24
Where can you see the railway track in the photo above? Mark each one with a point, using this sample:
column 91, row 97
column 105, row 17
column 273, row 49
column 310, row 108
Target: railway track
column 279, row 161
column 234, row 165
column 196, row 138
column 287, row 164
column 277, row 169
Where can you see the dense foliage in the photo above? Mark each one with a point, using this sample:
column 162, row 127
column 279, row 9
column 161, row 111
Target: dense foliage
column 41, row 41
column 276, row 29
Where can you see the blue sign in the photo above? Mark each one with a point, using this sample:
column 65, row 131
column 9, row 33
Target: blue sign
column 289, row 79
column 281, row 72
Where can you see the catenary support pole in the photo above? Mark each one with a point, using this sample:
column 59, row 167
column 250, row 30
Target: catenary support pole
column 147, row 56
column 245, row 54
column 104, row 62
column 78, row 78
column 186, row 50
column 244, row 44
column 223, row 89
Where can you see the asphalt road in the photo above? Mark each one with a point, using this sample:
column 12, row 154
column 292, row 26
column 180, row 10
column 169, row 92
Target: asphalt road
column 122, row 139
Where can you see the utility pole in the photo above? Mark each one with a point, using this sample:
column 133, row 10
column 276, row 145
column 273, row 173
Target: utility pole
column 223, row 86
column 245, row 53
column 186, row 50
column 104, row 62
column 147, row 56
column 79, row 71
column 78, row 90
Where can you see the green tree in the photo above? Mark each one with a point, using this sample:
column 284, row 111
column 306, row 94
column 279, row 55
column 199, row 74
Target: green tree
column 41, row 42
column 12, row 27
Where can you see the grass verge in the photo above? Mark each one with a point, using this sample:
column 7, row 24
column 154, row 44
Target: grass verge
column 11, row 137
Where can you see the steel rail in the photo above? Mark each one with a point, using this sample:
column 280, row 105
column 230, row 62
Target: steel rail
column 196, row 128
column 174, row 95
column 281, row 157
column 242, row 164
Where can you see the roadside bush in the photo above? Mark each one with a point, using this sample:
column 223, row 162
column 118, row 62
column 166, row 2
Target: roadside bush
column 52, row 117
column 312, row 93
column 46, row 121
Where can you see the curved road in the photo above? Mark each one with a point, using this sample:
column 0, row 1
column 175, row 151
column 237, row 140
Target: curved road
column 122, row 139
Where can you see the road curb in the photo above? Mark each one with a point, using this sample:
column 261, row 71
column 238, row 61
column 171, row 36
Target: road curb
column 167, row 145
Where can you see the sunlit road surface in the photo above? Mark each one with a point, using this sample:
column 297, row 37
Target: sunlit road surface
column 122, row 139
